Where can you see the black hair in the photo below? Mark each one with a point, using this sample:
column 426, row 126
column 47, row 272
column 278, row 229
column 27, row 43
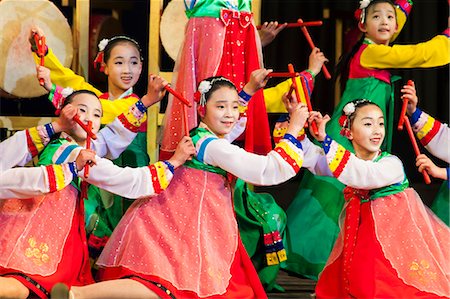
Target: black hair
column 359, row 103
column 120, row 39
column 69, row 99
column 216, row 83
column 343, row 66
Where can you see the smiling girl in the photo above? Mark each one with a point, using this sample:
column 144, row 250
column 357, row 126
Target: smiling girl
column 390, row 245
column 185, row 242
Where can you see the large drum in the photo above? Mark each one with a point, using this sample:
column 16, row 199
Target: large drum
column 172, row 27
column 17, row 66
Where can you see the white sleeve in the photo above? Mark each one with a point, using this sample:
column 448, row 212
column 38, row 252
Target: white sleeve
column 439, row 145
column 126, row 181
column 362, row 174
column 14, row 151
column 315, row 159
column 112, row 140
column 256, row 169
column 25, row 182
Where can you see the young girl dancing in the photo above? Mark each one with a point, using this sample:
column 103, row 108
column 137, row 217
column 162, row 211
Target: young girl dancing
column 390, row 245
column 188, row 246
column 364, row 74
column 33, row 258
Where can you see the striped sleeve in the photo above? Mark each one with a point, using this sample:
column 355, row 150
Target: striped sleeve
column 362, row 174
column 38, row 138
column 276, row 167
column 27, row 182
column 129, row 182
column 134, row 117
column 434, row 135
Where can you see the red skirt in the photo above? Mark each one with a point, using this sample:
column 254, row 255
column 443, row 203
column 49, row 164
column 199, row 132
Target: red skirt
column 244, row 282
column 73, row 269
column 369, row 273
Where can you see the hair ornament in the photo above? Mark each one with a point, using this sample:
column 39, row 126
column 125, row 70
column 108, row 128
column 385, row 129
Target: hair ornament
column 347, row 111
column 360, row 13
column 102, row 44
column 203, row 88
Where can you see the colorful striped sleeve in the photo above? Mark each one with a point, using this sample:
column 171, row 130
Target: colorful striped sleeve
column 134, row 117
column 38, row 138
column 289, row 151
column 425, row 126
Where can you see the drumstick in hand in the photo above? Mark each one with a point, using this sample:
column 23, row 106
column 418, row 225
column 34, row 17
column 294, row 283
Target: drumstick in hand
column 76, row 118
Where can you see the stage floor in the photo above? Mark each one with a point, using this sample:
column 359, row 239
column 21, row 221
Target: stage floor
column 296, row 288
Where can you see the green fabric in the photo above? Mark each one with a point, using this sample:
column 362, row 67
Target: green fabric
column 441, row 205
column 391, row 189
column 258, row 213
column 197, row 134
column 212, row 8
column 312, row 225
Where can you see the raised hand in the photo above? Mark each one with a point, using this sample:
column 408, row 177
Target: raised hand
column 184, row 151
column 85, row 156
column 44, row 74
column 155, row 90
column 65, row 122
column 409, row 93
column 321, row 121
column 425, row 163
column 269, row 31
column 316, row 61
column 258, row 80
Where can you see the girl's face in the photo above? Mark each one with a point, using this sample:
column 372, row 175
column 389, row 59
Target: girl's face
column 380, row 24
column 367, row 131
column 222, row 111
column 123, row 68
column 89, row 109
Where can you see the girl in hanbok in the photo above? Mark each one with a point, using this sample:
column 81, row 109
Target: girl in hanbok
column 391, row 245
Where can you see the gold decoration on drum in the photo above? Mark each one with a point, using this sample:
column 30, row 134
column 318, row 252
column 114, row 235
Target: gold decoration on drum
column 17, row 66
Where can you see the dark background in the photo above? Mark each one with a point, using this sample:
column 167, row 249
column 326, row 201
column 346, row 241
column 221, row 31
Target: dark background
column 428, row 18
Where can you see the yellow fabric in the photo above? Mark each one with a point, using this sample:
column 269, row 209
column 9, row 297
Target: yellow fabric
column 34, row 134
column 333, row 164
column 65, row 77
column 112, row 109
column 432, row 53
column 273, row 95
column 59, row 177
column 401, row 20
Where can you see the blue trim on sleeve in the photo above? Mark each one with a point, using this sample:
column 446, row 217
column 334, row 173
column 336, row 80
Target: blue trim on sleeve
column 245, row 96
column 49, row 129
column 65, row 153
column 141, row 107
column 170, row 166
column 415, row 116
column 73, row 169
column 202, row 149
column 293, row 140
column 326, row 144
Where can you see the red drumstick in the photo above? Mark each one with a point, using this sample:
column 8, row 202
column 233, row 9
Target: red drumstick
column 76, row 118
column 286, row 75
column 298, row 24
column 426, row 177
column 40, row 45
column 88, row 146
column 177, row 95
column 403, row 112
column 308, row 103
column 325, row 71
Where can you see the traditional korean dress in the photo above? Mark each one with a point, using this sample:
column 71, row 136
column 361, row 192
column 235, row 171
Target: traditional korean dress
column 185, row 242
